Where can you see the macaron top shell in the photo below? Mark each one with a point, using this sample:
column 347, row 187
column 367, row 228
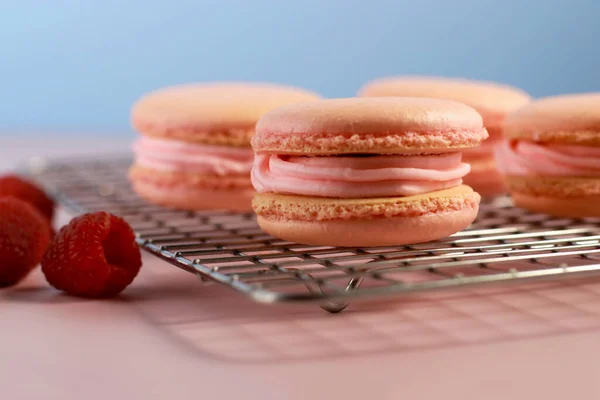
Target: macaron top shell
column 567, row 119
column 491, row 100
column 197, row 112
column 369, row 125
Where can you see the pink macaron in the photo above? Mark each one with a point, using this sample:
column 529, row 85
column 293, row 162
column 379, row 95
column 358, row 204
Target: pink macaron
column 365, row 171
column 194, row 152
column 551, row 156
column 492, row 101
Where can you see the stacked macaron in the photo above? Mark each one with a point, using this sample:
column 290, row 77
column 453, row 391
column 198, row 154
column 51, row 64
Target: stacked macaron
column 365, row 171
column 551, row 157
column 195, row 152
column 493, row 101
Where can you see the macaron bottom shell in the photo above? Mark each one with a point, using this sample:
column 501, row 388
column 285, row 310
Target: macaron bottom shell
column 570, row 197
column 193, row 191
column 367, row 222
column 196, row 199
column 568, row 207
column 370, row 233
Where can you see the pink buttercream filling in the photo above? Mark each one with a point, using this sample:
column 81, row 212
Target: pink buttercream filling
column 357, row 176
column 526, row 158
column 173, row 155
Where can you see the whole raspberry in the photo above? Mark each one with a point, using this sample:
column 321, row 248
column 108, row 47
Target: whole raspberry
column 14, row 186
column 95, row 255
column 24, row 236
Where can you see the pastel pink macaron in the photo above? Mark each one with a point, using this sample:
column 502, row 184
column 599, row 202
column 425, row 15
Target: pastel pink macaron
column 551, row 157
column 365, row 171
column 492, row 101
column 194, row 152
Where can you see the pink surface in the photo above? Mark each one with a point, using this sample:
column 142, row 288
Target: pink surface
column 171, row 336
column 357, row 177
column 527, row 158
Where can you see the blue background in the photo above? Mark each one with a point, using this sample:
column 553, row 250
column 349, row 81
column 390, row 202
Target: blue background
column 78, row 65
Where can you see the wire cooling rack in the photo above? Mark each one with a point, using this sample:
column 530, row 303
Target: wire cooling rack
column 505, row 244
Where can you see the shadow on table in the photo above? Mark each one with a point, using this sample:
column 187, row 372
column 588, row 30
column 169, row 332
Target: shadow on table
column 220, row 323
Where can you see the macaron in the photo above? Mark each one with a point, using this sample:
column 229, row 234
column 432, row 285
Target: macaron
column 365, row 171
column 194, row 151
column 551, row 155
column 492, row 101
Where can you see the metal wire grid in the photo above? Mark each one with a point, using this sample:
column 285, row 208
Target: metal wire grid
column 505, row 244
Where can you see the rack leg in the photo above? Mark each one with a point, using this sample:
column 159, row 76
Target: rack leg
column 335, row 307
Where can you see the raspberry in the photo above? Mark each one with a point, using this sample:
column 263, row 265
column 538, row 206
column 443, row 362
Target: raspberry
column 14, row 186
column 95, row 255
column 24, row 236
